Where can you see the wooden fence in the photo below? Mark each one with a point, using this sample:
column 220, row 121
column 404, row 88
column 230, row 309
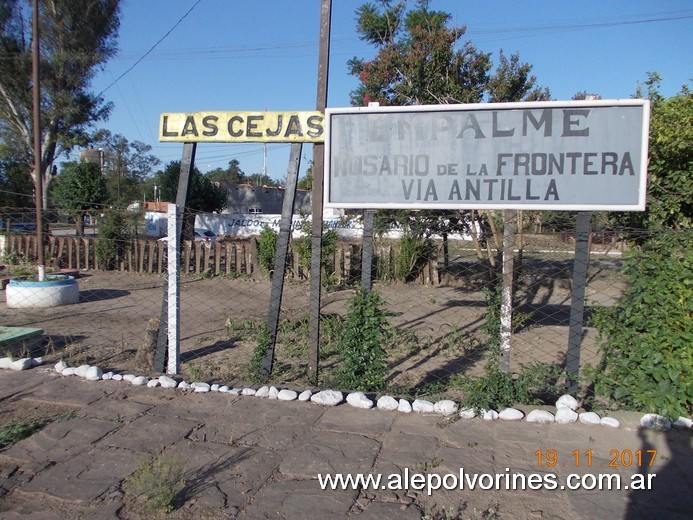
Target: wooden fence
column 230, row 257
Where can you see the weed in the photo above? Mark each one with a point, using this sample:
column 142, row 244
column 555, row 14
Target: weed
column 15, row 431
column 195, row 372
column 255, row 371
column 425, row 467
column 159, row 481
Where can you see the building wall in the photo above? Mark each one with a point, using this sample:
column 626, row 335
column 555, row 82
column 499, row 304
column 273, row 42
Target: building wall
column 245, row 198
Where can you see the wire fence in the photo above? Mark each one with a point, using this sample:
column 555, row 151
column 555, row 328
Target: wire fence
column 437, row 312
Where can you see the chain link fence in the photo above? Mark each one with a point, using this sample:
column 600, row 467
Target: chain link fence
column 437, row 297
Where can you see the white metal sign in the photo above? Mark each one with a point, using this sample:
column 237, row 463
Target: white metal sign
column 568, row 155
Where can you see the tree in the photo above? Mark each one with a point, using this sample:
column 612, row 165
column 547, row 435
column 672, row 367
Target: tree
column 204, row 195
column 512, row 82
column 419, row 60
column 80, row 187
column 232, row 175
column 306, row 182
column 670, row 168
column 126, row 165
column 77, row 36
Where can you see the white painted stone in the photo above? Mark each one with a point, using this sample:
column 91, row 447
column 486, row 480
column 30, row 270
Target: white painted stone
column 184, row 385
column 248, row 391
column 5, row 362
column 21, row 364
column 117, row 377
column 422, row 406
column 153, row 383
column 327, row 397
column 224, row 389
column 359, row 400
column 81, row 370
column 287, row 395
column 404, row 406
column 167, row 382
column 107, row 376
column 387, row 402
column 540, row 416
column 129, row 377
column 200, row 387
column 467, row 413
column 214, row 387
column 305, row 396
column 93, row 374
column 590, row 418
column 263, row 391
column 567, row 401
column 652, row 421
column 445, row 407
column 511, row 414
column 566, row 416
column 683, row 422
column 235, row 391
column 69, row 371
column 37, row 361
column 140, row 381
column 273, row 392
column 489, row 415
column 610, row 421
column 59, row 366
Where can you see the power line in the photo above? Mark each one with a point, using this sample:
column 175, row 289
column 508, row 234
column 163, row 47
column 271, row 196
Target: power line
column 152, row 47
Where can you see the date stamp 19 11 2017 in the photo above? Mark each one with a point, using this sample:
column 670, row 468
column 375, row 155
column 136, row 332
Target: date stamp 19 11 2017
column 586, row 458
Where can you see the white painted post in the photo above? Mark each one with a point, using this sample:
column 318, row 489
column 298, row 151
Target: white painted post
column 173, row 290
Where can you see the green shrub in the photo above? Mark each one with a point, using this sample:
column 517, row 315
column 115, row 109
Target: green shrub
column 302, row 245
column 267, row 248
column 413, row 254
column 117, row 231
column 646, row 337
column 361, row 343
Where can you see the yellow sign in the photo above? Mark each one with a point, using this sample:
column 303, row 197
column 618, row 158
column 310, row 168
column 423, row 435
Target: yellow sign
column 242, row 127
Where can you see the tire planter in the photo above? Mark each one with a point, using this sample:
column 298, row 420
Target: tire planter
column 54, row 291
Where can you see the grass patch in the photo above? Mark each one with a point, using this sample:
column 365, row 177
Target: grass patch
column 15, row 431
column 159, row 481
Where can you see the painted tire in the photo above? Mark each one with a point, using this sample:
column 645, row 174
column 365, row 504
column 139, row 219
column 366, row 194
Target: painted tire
column 52, row 292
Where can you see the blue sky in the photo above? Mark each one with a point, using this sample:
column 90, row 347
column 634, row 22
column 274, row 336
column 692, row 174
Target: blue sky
column 240, row 55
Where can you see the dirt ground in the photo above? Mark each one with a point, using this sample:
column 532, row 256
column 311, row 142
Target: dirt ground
column 439, row 327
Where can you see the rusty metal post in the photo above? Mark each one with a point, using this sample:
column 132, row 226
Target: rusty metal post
column 577, row 300
column 277, row 291
column 317, row 200
column 367, row 250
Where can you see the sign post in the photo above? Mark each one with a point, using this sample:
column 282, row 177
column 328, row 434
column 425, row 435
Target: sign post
column 555, row 155
column 229, row 127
